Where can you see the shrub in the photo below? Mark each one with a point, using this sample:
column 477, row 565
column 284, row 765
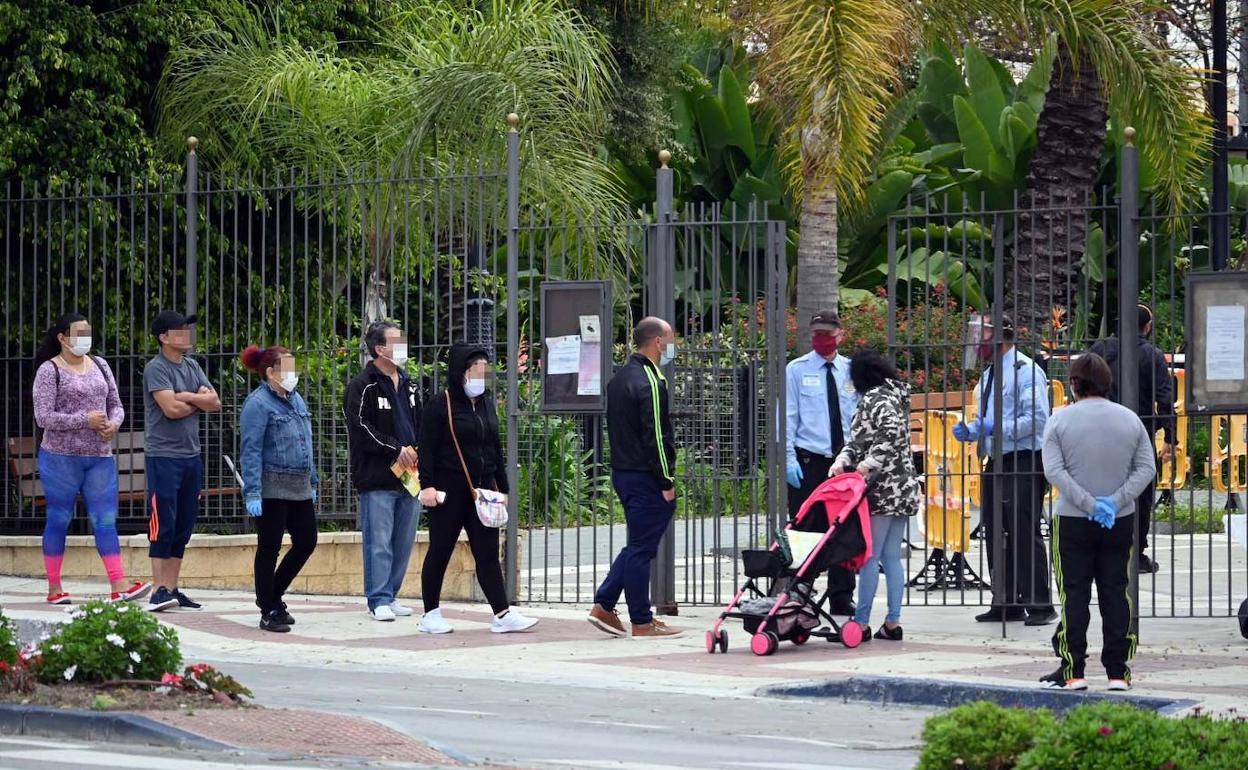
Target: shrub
column 1199, row 519
column 1110, row 736
column 984, row 736
column 107, row 641
column 1218, row 743
column 8, row 641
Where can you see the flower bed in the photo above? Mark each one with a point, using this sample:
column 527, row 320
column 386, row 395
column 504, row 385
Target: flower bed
column 109, row 656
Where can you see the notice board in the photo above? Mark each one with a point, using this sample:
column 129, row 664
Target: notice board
column 576, row 346
column 1217, row 356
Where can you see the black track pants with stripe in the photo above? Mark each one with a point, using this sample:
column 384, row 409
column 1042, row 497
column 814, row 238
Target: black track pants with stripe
column 1084, row 552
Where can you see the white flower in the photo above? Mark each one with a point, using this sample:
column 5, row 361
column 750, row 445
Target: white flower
column 115, row 639
column 69, row 672
column 137, row 658
column 112, row 623
column 56, row 648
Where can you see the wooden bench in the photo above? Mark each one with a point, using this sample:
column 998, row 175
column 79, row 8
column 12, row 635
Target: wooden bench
column 131, row 470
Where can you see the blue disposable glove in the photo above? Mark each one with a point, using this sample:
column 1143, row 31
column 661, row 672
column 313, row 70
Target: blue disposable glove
column 314, row 497
column 962, row 432
column 793, row 472
column 253, row 508
column 1105, row 512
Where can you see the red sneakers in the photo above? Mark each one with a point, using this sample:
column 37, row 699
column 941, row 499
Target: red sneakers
column 61, row 598
column 136, row 591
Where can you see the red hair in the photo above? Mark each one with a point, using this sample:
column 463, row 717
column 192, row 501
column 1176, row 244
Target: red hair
column 259, row 360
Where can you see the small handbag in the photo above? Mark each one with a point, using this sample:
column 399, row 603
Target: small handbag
column 491, row 505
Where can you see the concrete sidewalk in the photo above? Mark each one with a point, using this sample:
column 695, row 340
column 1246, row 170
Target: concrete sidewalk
column 1201, row 659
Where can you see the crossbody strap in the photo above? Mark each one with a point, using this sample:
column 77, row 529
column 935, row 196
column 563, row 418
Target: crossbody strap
column 450, row 423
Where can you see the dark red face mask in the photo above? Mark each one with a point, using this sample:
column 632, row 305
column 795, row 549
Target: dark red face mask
column 823, row 343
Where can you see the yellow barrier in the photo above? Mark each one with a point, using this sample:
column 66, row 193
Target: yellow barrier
column 1231, row 453
column 1174, row 472
column 952, row 481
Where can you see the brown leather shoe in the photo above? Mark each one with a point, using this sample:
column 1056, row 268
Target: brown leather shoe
column 606, row 620
column 655, row 628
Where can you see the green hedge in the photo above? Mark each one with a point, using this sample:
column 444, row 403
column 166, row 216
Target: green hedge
column 1100, row 736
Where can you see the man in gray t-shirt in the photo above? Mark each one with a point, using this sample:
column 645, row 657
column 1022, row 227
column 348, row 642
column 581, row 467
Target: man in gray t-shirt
column 175, row 391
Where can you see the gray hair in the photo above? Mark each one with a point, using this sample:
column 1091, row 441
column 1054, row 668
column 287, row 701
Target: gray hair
column 375, row 335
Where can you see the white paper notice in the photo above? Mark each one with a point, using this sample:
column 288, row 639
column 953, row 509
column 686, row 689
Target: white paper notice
column 591, row 328
column 589, row 377
column 1224, row 342
column 563, row 354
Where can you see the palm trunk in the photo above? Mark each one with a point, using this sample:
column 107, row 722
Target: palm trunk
column 1053, row 223
column 817, row 268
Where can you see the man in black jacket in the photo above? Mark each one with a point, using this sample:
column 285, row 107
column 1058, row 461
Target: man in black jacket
column 643, row 471
column 1155, row 406
column 383, row 429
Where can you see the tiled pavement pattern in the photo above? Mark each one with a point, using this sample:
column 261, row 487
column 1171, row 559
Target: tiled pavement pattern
column 1198, row 658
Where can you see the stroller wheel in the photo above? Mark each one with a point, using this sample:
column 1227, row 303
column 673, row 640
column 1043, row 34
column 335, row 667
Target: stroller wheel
column 764, row 643
column 723, row 641
column 710, row 642
column 801, row 638
column 851, row 634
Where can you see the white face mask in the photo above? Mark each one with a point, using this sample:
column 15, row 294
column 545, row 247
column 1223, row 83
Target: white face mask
column 80, row 346
column 474, row 388
column 668, row 355
column 289, row 381
column 398, row 353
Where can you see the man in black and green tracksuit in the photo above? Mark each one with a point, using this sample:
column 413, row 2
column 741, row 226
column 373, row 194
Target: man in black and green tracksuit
column 643, row 471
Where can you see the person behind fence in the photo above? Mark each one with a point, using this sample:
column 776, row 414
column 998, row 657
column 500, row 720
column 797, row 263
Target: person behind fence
column 79, row 410
column 879, row 449
column 463, row 459
column 1100, row 457
column 820, row 404
column 382, row 407
column 1154, row 405
column 279, row 478
column 1019, row 481
column 175, row 392
column 643, row 472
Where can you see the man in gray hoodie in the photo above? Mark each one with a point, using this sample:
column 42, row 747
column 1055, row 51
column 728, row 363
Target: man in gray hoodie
column 1100, row 458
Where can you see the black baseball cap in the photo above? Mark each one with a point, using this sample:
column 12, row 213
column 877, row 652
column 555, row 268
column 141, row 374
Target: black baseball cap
column 171, row 319
column 826, row 318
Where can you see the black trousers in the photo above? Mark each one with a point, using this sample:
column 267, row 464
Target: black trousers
column 1144, row 509
column 814, row 472
column 1024, row 577
column 298, row 517
column 446, row 521
column 1083, row 552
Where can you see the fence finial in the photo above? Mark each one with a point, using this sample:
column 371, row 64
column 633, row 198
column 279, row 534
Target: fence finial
column 1128, row 133
column 665, row 157
column 513, row 120
column 192, row 144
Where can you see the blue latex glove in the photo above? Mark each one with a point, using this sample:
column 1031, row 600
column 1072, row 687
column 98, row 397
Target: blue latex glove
column 793, row 473
column 962, row 432
column 314, row 497
column 1105, row 512
column 253, row 508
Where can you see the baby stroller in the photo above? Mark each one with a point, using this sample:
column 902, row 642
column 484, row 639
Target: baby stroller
column 789, row 609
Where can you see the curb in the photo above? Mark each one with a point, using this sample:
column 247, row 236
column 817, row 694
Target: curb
column 889, row 690
column 96, row 726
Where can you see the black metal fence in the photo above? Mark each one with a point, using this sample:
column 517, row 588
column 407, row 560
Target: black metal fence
column 1068, row 275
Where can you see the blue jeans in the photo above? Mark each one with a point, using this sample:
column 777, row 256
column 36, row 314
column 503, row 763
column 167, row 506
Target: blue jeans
column 388, row 521
column 648, row 515
column 886, row 536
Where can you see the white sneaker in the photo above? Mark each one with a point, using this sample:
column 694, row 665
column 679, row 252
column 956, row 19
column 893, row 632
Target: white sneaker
column 1119, row 685
column 382, row 613
column 399, row 610
column 512, row 622
column 432, row 623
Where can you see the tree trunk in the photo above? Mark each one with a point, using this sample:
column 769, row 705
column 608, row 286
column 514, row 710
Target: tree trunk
column 817, row 268
column 1053, row 225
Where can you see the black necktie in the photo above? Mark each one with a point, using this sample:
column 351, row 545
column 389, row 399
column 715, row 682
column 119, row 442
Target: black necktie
column 834, row 412
column 982, row 443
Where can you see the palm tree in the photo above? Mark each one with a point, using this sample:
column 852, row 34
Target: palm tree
column 432, row 92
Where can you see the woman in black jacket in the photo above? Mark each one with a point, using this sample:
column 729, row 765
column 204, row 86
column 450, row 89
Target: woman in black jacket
column 464, row 413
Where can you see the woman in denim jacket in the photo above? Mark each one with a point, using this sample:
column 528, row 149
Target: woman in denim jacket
column 279, row 478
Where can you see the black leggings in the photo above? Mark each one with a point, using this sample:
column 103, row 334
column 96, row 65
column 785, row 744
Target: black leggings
column 445, row 523
column 280, row 516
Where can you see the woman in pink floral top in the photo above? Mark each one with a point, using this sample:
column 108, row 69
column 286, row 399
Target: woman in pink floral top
column 79, row 410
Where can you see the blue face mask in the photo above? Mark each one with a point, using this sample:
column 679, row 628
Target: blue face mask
column 668, row 355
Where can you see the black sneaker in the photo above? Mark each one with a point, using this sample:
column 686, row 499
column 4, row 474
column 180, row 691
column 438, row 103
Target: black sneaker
column 1147, row 565
column 161, row 599
column 1058, row 681
column 995, row 615
column 285, row 616
column 893, row 634
column 1041, row 617
column 272, row 621
column 184, row 601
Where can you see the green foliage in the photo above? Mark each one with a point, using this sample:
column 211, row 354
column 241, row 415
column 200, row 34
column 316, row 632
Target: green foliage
column 105, row 641
column 1197, row 519
column 1108, row 736
column 9, row 646
column 204, row 678
column 984, row 736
